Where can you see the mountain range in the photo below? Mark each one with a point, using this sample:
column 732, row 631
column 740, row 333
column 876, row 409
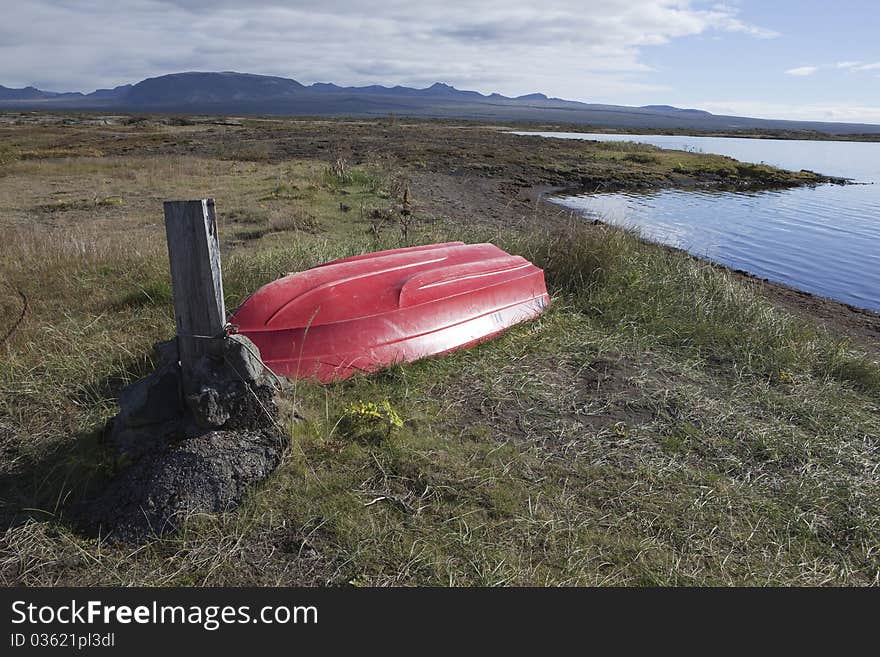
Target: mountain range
column 245, row 93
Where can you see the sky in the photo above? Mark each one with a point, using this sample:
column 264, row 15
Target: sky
column 790, row 59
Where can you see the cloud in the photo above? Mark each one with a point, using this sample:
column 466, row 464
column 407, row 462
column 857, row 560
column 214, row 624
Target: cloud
column 859, row 66
column 565, row 48
column 802, row 70
column 844, row 112
column 728, row 22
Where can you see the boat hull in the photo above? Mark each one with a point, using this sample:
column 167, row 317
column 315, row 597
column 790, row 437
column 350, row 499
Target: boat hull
column 368, row 312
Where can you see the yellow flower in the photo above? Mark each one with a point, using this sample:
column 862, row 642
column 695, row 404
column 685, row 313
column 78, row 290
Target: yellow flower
column 369, row 420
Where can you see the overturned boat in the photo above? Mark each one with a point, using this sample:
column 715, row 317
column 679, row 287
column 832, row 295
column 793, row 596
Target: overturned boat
column 366, row 312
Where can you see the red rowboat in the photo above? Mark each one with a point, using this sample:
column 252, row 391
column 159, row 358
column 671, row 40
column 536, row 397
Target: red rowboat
column 370, row 311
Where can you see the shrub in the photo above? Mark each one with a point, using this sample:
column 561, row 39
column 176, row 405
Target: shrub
column 369, row 421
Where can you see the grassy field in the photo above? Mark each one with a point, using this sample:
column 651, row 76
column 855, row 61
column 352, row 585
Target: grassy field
column 662, row 424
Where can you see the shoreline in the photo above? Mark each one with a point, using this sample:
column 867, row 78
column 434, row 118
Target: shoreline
column 793, row 135
column 860, row 324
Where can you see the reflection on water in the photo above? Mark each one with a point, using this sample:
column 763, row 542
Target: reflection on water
column 825, row 240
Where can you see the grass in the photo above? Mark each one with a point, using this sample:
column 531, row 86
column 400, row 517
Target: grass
column 81, row 204
column 662, row 423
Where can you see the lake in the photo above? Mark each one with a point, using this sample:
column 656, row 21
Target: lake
column 824, row 240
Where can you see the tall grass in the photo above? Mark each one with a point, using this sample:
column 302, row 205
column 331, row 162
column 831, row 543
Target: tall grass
column 658, row 296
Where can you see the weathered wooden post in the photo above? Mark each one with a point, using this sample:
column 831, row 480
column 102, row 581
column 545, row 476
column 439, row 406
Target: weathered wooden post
column 197, row 432
column 197, row 284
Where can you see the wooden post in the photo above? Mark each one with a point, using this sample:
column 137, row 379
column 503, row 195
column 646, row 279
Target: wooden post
column 194, row 254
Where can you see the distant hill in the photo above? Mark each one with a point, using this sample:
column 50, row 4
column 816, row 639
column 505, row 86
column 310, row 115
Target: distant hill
column 115, row 93
column 670, row 108
column 66, row 98
column 244, row 93
column 28, row 93
column 183, row 89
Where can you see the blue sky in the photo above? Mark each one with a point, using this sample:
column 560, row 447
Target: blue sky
column 748, row 75
column 777, row 59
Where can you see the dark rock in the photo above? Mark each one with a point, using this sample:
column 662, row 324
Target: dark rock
column 131, row 443
column 210, row 473
column 166, row 352
column 257, row 408
column 209, row 407
column 236, row 390
column 194, row 457
column 155, row 399
column 243, row 357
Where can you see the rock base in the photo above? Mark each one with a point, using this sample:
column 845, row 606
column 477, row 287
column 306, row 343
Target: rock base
column 184, row 451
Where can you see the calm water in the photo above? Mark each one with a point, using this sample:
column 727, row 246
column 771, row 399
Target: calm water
column 825, row 240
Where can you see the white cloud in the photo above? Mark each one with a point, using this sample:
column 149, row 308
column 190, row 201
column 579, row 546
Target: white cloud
column 564, row 48
column 802, row 70
column 843, row 112
column 732, row 24
column 859, row 66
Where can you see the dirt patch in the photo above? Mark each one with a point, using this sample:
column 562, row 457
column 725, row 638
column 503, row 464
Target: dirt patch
column 604, row 393
column 561, row 401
